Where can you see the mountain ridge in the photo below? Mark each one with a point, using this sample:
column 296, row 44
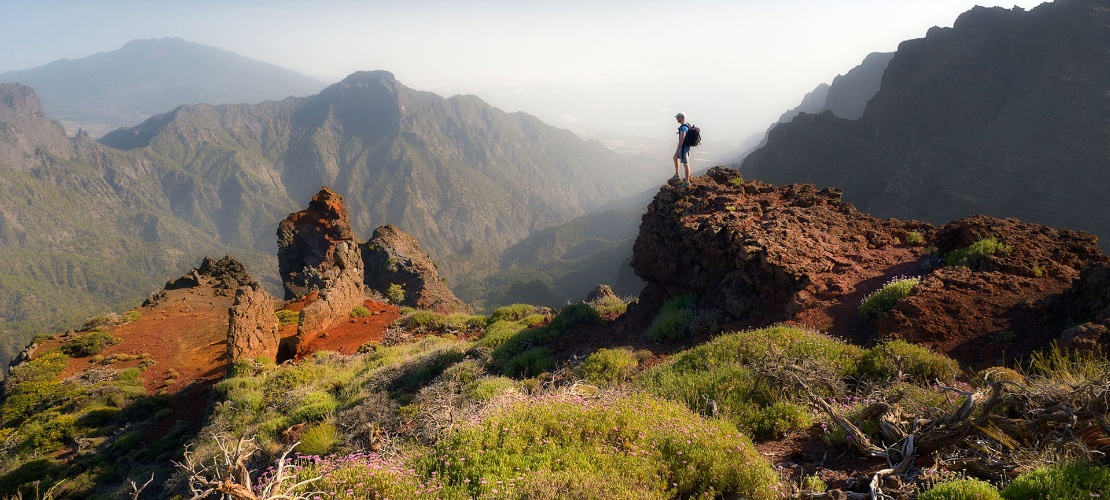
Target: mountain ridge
column 108, row 90
column 1001, row 114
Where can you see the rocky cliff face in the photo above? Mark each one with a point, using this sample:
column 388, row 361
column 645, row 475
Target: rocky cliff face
column 317, row 254
column 395, row 258
column 307, row 244
column 757, row 254
column 25, row 131
column 1002, row 114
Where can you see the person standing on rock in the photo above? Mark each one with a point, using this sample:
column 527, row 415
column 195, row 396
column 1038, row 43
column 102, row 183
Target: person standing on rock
column 682, row 152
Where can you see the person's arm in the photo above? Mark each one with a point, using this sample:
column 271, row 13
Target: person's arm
column 681, row 140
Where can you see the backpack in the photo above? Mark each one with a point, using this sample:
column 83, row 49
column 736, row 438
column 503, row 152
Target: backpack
column 693, row 136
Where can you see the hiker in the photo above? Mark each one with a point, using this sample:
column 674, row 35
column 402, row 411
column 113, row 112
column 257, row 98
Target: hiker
column 682, row 152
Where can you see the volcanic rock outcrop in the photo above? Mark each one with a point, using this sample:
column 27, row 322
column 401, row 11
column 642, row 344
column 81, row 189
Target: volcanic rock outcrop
column 395, row 258
column 317, row 254
column 252, row 330
column 763, row 254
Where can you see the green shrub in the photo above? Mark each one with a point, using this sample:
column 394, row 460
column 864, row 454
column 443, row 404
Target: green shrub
column 88, row 344
column 395, row 293
column 319, row 439
column 883, row 300
column 127, row 442
column 633, row 447
column 421, row 321
column 534, row 320
column 895, row 358
column 978, row 251
column 674, row 319
column 573, row 316
column 360, row 312
column 313, row 407
column 531, row 363
column 777, row 420
column 130, row 316
column 721, row 371
column 609, row 366
column 42, row 338
column 1060, row 482
column 610, row 305
column 915, row 238
column 499, row 332
column 286, row 317
column 962, row 489
column 487, row 388
column 514, row 312
column 128, row 374
column 1071, row 366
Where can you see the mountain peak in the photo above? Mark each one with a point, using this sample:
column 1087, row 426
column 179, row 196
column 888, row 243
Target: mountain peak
column 26, row 125
column 376, row 76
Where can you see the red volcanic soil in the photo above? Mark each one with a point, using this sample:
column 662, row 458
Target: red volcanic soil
column 185, row 333
column 347, row 337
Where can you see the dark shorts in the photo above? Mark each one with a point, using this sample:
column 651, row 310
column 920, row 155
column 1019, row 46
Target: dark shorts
column 685, row 156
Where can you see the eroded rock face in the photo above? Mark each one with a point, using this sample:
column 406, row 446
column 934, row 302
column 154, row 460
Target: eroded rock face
column 307, row 241
column 252, row 325
column 395, row 258
column 762, row 254
column 317, row 253
column 335, row 302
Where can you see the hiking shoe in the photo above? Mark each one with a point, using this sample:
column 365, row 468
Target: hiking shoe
column 684, row 184
column 674, row 179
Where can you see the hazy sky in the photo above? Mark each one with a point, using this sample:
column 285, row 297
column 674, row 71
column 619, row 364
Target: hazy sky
column 621, row 66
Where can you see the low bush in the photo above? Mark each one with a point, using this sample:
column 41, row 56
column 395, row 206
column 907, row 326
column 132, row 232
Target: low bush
column 674, row 319
column 884, row 299
column 609, row 366
column 514, row 312
column 976, row 252
column 360, row 312
column 395, row 293
column 1060, row 482
column 319, row 439
column 896, row 359
column 487, row 388
column 88, row 344
column 531, row 363
column 499, row 332
column 962, row 489
column 286, row 317
column 633, row 447
column 610, row 305
column 724, row 373
column 915, row 238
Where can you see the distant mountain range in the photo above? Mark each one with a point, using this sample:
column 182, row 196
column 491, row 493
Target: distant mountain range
column 1004, row 114
column 123, row 87
column 87, row 225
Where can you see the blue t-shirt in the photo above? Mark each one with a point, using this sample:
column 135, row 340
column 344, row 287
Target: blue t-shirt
column 683, row 129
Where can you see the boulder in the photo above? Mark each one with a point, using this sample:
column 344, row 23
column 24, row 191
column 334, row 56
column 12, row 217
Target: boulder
column 252, row 325
column 395, row 258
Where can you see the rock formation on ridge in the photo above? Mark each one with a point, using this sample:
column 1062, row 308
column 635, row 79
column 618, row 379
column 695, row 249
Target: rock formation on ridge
column 317, row 254
column 764, row 254
column 252, row 329
column 395, row 258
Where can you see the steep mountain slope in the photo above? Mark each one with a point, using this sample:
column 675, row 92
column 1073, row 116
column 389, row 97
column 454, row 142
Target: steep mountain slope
column 120, row 88
column 459, row 175
column 465, row 179
column 1006, row 113
column 83, row 228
